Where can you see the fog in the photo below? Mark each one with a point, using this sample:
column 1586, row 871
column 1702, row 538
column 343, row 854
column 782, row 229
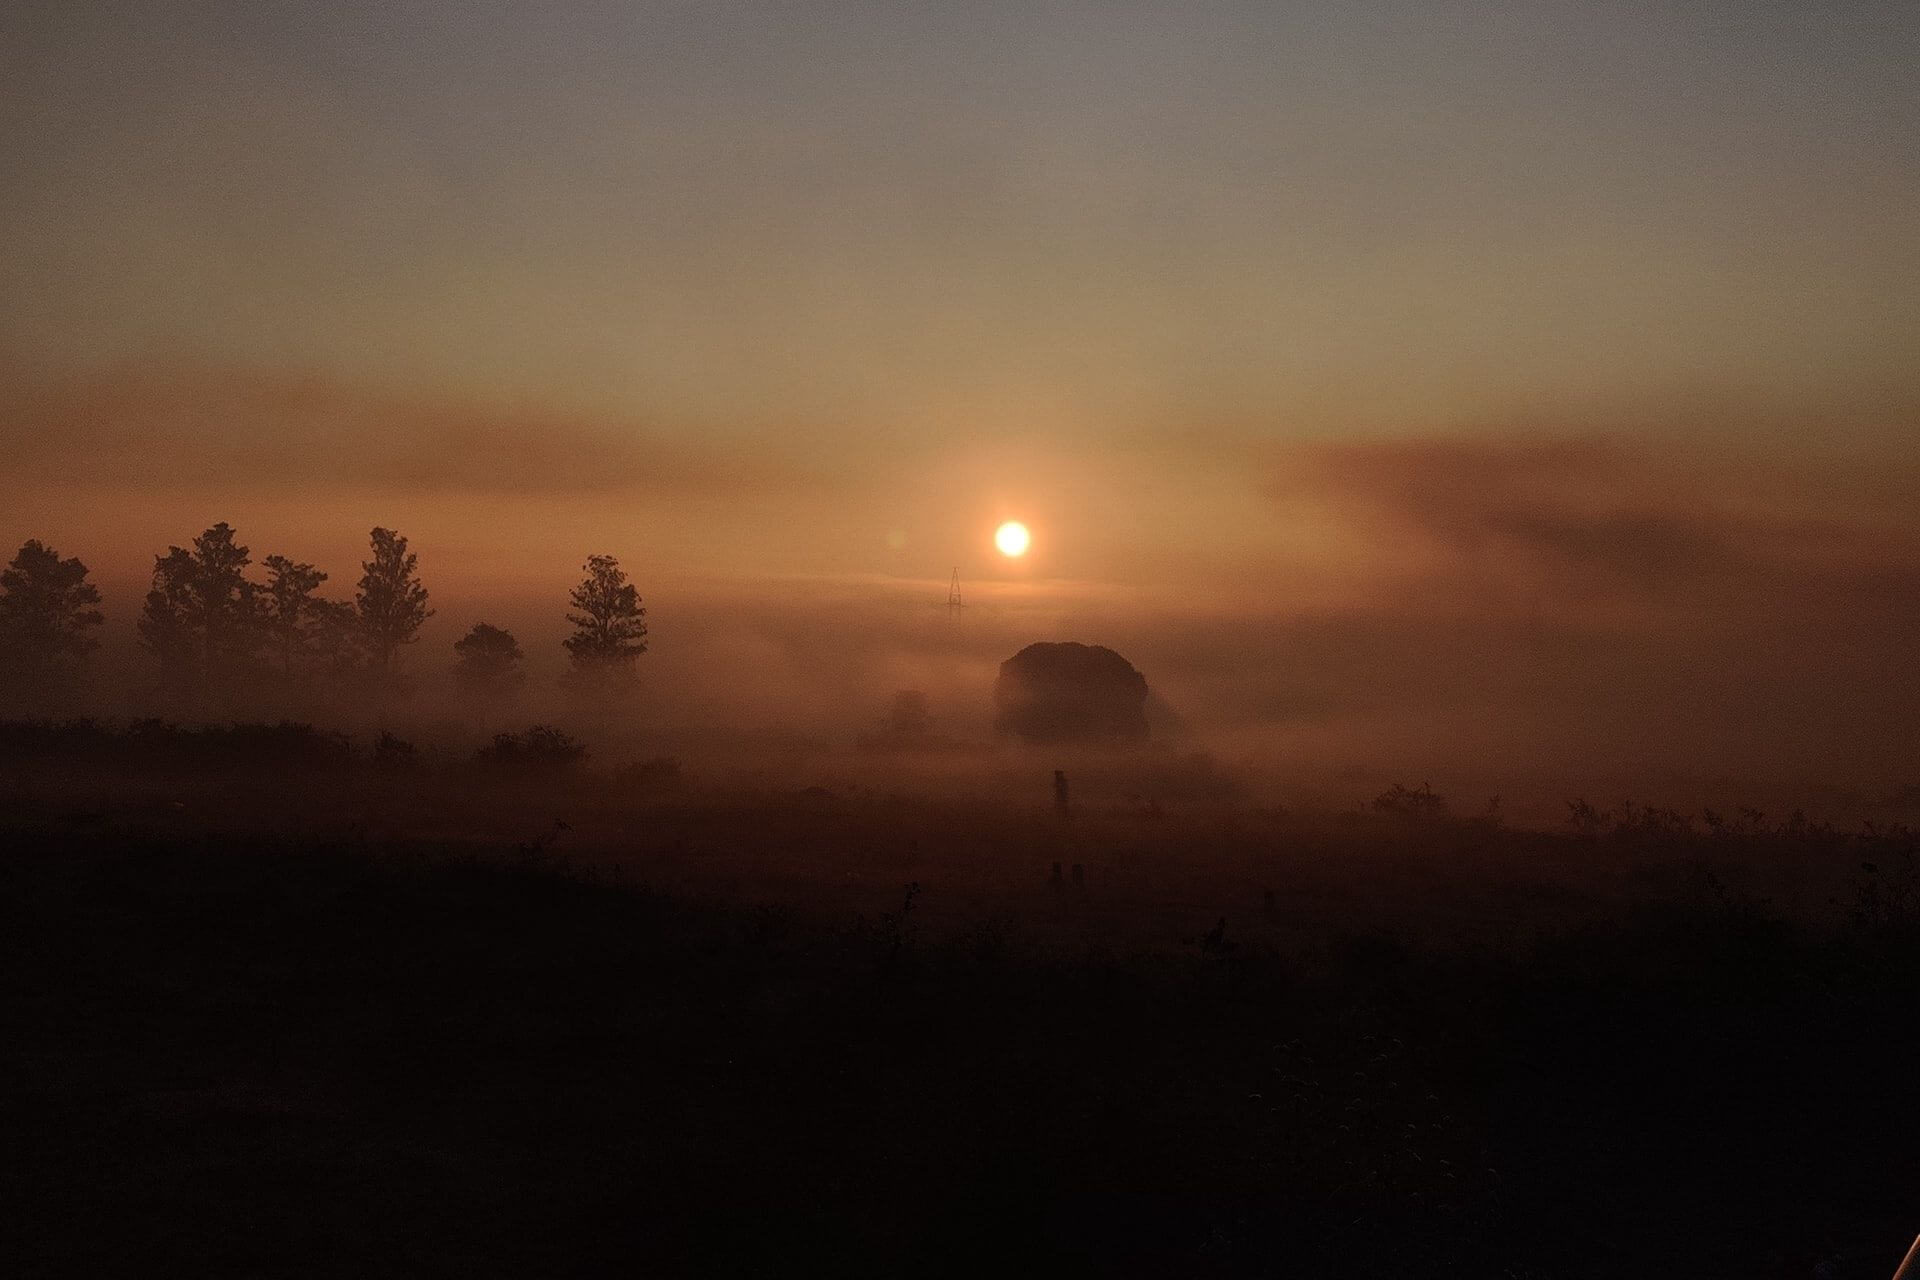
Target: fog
column 1568, row 605
column 787, row 679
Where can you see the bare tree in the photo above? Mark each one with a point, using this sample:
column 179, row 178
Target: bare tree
column 391, row 601
column 489, row 665
column 47, row 615
column 609, row 630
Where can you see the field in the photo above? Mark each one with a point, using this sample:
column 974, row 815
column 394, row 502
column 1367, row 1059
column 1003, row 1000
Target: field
column 275, row 1010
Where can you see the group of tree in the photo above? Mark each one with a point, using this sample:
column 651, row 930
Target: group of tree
column 211, row 628
column 48, row 615
column 609, row 633
column 213, row 631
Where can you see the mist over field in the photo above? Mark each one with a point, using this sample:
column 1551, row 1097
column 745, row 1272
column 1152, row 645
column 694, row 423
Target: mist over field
column 1532, row 619
column 882, row 638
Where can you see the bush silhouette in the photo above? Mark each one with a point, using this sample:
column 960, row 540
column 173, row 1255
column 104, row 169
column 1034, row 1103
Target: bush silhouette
column 1422, row 805
column 540, row 747
column 1070, row 691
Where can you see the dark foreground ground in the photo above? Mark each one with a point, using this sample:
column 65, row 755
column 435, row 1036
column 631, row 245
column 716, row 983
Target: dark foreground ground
column 248, row 1052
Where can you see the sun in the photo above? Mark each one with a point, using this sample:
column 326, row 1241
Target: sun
column 1012, row 538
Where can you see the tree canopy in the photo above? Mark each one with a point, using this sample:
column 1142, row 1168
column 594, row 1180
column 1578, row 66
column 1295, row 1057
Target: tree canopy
column 391, row 602
column 48, row 613
column 290, row 611
column 202, row 617
column 610, row 629
column 489, row 662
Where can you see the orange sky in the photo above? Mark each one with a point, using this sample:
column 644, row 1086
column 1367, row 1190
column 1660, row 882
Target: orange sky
column 1400, row 375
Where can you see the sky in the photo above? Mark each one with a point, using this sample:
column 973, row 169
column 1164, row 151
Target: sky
column 1411, row 377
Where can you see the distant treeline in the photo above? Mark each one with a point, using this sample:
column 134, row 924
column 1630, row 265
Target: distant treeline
column 213, row 631
column 277, row 745
column 289, row 745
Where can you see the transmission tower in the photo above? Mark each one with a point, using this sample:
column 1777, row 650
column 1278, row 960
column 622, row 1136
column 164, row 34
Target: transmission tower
column 954, row 606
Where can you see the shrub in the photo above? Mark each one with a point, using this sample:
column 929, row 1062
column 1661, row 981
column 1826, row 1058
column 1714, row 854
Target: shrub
column 540, row 747
column 32, row 738
column 391, row 752
column 1418, row 806
column 285, row 743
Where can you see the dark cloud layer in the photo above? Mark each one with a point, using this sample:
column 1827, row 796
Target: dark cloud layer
column 1594, row 517
column 195, row 428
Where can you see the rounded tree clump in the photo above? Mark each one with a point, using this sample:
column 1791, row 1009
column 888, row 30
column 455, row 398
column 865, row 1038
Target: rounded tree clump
column 1070, row 692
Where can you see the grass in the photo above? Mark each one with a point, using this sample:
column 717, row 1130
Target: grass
column 326, row 1028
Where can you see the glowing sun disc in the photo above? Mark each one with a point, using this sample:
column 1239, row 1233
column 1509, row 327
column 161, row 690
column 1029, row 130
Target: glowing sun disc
column 1012, row 538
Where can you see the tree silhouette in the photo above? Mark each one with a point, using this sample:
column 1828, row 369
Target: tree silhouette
column 609, row 630
column 202, row 618
column 333, row 639
column 46, row 615
column 166, row 627
column 391, row 601
column 489, row 663
column 289, row 606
